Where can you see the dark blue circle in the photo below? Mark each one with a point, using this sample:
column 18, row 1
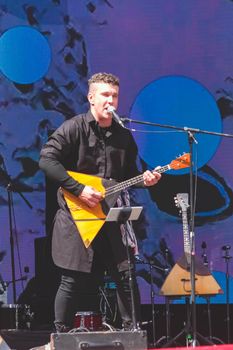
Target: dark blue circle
column 177, row 101
column 25, row 54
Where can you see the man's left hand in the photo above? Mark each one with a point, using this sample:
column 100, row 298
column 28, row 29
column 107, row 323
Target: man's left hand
column 150, row 178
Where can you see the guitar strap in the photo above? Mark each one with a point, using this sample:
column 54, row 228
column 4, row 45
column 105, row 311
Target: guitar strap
column 127, row 230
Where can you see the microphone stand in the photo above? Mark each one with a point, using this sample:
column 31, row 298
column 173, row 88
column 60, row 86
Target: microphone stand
column 178, row 128
column 190, row 133
column 192, row 341
column 9, row 184
column 227, row 258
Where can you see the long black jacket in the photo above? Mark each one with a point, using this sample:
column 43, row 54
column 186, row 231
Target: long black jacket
column 80, row 145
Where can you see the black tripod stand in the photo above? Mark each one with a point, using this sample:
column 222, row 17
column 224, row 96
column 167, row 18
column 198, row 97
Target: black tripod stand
column 186, row 332
column 10, row 186
column 215, row 340
column 152, row 267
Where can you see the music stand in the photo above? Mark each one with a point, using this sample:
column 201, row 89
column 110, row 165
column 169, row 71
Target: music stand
column 122, row 215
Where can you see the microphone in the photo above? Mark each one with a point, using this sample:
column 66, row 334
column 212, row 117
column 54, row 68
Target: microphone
column 226, row 247
column 115, row 116
column 204, row 245
column 204, row 255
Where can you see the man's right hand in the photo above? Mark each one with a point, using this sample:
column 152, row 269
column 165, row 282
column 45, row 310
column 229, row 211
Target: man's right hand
column 90, row 196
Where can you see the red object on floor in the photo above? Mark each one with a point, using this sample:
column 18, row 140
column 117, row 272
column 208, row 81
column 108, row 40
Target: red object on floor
column 205, row 347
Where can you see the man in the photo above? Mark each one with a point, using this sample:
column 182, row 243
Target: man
column 91, row 143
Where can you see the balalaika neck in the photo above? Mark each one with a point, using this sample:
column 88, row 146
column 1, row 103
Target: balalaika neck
column 187, row 248
column 133, row 181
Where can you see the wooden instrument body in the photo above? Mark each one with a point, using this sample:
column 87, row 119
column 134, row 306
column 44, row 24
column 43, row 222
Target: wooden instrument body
column 178, row 282
column 88, row 220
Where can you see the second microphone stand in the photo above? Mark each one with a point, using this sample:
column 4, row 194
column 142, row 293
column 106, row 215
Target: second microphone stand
column 190, row 133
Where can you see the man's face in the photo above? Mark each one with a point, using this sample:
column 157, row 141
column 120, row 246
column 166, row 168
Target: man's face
column 101, row 96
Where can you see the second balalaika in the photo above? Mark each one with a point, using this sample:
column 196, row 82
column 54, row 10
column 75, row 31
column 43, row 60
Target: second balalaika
column 178, row 282
column 90, row 220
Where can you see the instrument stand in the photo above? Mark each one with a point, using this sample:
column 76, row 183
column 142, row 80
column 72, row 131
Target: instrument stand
column 10, row 186
column 152, row 295
column 213, row 339
column 187, row 332
column 167, row 312
column 166, row 337
column 209, row 318
column 207, row 297
column 227, row 258
column 122, row 215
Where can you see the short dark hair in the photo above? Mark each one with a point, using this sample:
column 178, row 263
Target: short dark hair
column 107, row 78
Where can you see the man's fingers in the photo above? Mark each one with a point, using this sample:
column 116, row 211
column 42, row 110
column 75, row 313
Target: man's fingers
column 90, row 196
column 97, row 195
column 150, row 178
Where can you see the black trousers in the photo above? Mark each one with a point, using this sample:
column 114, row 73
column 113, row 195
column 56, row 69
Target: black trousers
column 79, row 291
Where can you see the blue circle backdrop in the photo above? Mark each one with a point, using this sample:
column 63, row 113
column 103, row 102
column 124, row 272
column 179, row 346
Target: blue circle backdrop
column 25, row 54
column 177, row 101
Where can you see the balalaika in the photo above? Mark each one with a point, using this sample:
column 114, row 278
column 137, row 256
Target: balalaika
column 178, row 282
column 90, row 220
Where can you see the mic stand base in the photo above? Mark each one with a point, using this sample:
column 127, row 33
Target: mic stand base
column 187, row 334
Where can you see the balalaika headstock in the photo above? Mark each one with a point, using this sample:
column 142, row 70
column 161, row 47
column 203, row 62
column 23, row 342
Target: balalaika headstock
column 181, row 201
column 181, row 162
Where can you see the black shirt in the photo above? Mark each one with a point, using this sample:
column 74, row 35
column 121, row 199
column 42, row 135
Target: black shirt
column 80, row 145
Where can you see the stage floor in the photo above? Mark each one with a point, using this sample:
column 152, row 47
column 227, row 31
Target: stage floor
column 24, row 339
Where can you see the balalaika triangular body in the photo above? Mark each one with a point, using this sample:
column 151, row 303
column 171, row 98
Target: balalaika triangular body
column 88, row 220
column 178, row 281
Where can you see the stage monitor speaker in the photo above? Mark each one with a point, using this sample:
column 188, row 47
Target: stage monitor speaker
column 3, row 344
column 117, row 340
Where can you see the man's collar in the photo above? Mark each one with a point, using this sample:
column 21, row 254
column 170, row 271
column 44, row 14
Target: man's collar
column 92, row 120
column 90, row 117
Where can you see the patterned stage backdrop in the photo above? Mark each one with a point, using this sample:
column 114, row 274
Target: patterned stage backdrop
column 174, row 60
